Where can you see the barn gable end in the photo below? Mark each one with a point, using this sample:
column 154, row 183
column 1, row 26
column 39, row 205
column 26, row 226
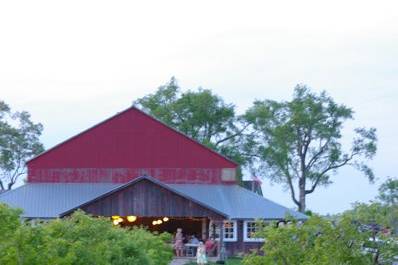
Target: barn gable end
column 128, row 145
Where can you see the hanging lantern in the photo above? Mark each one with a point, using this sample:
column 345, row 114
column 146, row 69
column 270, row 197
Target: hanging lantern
column 165, row 219
column 131, row 218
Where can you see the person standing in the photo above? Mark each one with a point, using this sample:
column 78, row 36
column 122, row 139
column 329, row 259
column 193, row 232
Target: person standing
column 201, row 258
column 178, row 242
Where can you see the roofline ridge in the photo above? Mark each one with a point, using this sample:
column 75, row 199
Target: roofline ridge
column 183, row 134
column 78, row 134
column 121, row 112
column 153, row 180
column 12, row 190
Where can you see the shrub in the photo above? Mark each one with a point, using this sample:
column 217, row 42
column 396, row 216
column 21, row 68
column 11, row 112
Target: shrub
column 317, row 241
column 79, row 240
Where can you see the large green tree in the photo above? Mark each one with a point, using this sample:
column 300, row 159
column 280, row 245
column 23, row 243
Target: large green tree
column 298, row 143
column 19, row 141
column 388, row 191
column 199, row 114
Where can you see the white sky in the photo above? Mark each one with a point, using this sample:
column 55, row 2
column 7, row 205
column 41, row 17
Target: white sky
column 74, row 63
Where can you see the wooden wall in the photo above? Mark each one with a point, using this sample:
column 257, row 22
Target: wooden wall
column 128, row 145
column 147, row 199
column 234, row 248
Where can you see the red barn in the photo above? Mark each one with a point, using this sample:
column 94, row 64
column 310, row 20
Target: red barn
column 136, row 170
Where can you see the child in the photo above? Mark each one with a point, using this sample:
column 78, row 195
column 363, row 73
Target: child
column 201, row 258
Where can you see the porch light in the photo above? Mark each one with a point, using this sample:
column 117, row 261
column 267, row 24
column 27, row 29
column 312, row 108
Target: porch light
column 165, row 219
column 131, row 218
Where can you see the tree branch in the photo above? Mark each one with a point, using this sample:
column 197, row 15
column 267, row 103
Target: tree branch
column 330, row 167
column 232, row 135
column 316, row 156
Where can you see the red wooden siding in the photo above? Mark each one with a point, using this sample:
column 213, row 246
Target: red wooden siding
column 126, row 146
column 147, row 199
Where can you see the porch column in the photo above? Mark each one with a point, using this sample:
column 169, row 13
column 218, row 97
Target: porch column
column 204, row 229
column 221, row 247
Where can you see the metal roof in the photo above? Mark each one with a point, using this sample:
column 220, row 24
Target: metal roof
column 237, row 202
column 51, row 200
column 48, row 200
column 153, row 180
column 252, row 185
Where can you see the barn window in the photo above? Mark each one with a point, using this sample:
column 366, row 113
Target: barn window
column 249, row 230
column 230, row 231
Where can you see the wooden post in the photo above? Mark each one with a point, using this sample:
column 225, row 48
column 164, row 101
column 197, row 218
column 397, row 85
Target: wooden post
column 204, row 229
column 221, row 248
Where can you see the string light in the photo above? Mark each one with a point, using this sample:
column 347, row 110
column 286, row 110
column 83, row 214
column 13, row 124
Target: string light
column 165, row 219
column 159, row 222
column 131, row 218
column 154, row 222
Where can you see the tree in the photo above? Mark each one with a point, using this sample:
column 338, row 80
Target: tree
column 317, row 241
column 388, row 191
column 19, row 141
column 199, row 114
column 298, row 143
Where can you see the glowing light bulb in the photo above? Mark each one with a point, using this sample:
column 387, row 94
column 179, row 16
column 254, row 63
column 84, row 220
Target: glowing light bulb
column 165, row 219
column 131, row 218
column 154, row 222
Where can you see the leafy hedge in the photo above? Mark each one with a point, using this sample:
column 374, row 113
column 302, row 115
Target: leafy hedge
column 321, row 242
column 78, row 240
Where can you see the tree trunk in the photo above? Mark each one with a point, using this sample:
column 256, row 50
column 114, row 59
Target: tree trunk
column 302, row 194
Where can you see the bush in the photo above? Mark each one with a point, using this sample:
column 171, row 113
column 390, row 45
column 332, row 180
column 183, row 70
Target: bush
column 78, row 240
column 317, row 241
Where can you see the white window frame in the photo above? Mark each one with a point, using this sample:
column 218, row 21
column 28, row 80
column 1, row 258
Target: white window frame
column 235, row 231
column 245, row 237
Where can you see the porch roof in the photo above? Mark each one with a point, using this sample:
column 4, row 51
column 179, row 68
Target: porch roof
column 51, row 200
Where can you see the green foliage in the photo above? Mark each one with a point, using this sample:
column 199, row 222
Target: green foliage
column 199, row 114
column 388, row 191
column 298, row 142
column 379, row 222
column 317, row 241
column 157, row 247
column 19, row 141
column 79, row 239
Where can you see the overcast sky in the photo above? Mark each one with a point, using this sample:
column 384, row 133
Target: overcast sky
column 74, row 63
